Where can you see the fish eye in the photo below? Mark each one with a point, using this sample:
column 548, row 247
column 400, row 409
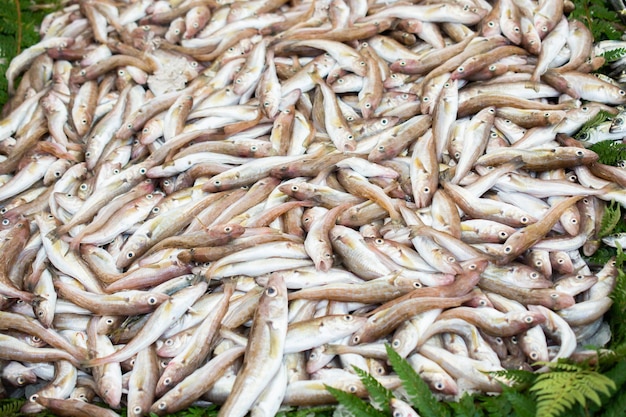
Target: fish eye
column 348, row 317
column 116, row 171
column 36, row 339
column 167, row 381
column 3, row 210
column 528, row 319
column 554, row 295
column 426, row 190
column 169, row 342
column 514, row 340
column 460, row 69
column 524, row 220
column 130, row 255
column 439, row 386
column 383, row 122
column 503, row 234
column 396, row 343
column 137, row 410
column 57, row 174
column 271, row 291
column 40, row 313
column 368, row 105
column 534, row 275
column 381, row 148
column 152, row 301
column 142, row 171
column 482, row 303
column 20, row 380
column 533, row 355
column 417, row 285
column 508, row 249
column 580, row 153
column 516, row 29
column 162, row 405
column 156, row 210
column 217, row 183
column 425, row 99
column 33, row 398
column 621, row 92
column 356, row 339
column 491, row 23
column 109, row 321
column 6, row 222
column 353, row 388
column 492, row 67
column 83, row 187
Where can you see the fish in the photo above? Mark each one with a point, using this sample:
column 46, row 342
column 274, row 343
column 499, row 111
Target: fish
column 380, row 171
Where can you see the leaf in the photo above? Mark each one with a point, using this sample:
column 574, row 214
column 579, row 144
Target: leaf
column 609, row 152
column 613, row 55
column 422, row 399
column 521, row 403
column 520, row 377
column 379, row 395
column 466, row 407
column 356, row 406
column 611, row 217
column 567, row 385
column 496, row 406
column 11, row 407
column 615, row 407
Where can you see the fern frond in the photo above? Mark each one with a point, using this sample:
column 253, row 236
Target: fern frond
column 609, row 152
column 466, row 407
column 567, row 385
column 417, row 390
column 615, row 407
column 522, row 403
column 598, row 119
column 613, row 55
column 353, row 404
column 496, row 406
column 11, row 407
column 379, row 395
column 520, row 377
column 611, row 217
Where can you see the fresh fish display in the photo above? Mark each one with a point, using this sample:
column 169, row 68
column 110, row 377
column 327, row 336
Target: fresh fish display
column 237, row 201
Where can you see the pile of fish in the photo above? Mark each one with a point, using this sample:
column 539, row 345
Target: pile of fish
column 238, row 201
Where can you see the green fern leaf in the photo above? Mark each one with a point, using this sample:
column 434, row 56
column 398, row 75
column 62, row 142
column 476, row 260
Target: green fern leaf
column 567, row 385
column 616, row 406
column 611, row 217
column 598, row 119
column 609, row 152
column 11, row 407
column 520, row 377
column 522, row 403
column 353, row 404
column 417, row 390
column 379, row 395
column 466, row 407
column 496, row 406
column 613, row 55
